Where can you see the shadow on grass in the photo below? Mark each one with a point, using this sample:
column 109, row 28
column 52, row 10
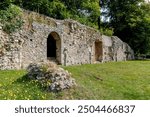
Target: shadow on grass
column 27, row 82
column 23, row 79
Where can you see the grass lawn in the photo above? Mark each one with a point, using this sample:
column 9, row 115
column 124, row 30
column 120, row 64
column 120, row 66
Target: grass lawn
column 114, row 80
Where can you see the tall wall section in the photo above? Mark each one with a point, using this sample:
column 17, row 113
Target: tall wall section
column 116, row 50
column 74, row 44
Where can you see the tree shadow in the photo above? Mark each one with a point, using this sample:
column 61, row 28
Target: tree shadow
column 28, row 82
column 23, row 79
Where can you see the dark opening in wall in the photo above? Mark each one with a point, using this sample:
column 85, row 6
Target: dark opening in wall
column 51, row 47
column 54, row 47
column 98, row 51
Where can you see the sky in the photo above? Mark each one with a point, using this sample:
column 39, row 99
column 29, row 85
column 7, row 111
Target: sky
column 147, row 0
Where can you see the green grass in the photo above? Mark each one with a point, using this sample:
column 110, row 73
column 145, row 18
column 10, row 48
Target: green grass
column 114, row 80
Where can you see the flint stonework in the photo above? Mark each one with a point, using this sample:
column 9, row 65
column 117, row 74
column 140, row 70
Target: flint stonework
column 65, row 42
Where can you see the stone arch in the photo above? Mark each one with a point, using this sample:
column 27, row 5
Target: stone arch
column 98, row 50
column 54, row 47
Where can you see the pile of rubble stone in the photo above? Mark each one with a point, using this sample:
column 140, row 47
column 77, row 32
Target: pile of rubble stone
column 51, row 76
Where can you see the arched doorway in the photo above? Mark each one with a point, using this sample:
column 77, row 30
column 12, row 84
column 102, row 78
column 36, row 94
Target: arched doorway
column 54, row 47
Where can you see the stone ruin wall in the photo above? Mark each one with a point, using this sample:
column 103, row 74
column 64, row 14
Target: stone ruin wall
column 9, row 51
column 116, row 50
column 75, row 43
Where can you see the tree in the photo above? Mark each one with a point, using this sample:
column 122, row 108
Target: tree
column 130, row 20
column 4, row 4
column 86, row 11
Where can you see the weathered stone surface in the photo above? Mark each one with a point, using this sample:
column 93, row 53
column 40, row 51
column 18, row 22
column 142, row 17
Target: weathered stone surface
column 116, row 50
column 75, row 44
column 49, row 74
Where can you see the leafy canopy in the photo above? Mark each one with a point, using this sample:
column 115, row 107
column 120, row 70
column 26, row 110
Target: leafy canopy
column 130, row 20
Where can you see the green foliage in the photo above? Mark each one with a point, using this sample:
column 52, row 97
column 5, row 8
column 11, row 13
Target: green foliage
column 58, row 10
column 106, row 31
column 84, row 11
column 11, row 18
column 120, row 80
column 90, row 8
column 4, row 4
column 130, row 20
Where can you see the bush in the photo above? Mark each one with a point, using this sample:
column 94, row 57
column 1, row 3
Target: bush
column 11, row 18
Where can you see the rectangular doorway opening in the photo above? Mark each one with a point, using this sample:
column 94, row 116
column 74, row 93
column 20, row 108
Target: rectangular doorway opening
column 98, row 51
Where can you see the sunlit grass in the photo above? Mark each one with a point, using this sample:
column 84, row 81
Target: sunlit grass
column 114, row 80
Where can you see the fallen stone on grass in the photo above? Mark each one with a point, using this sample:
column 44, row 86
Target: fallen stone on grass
column 51, row 76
